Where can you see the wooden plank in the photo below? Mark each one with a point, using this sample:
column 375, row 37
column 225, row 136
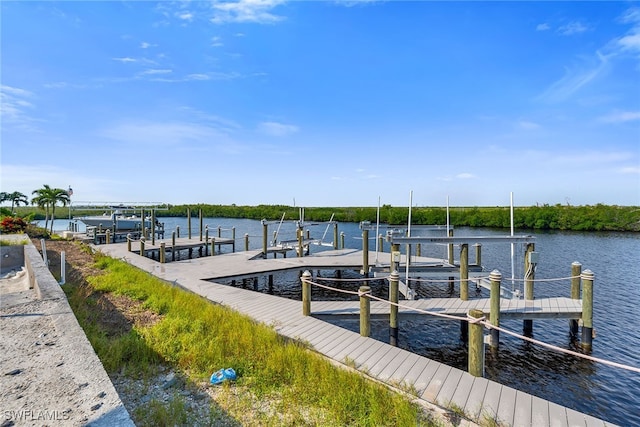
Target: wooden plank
column 340, row 353
column 433, row 386
column 423, row 364
column 381, row 359
column 390, row 358
column 399, row 373
column 491, row 401
column 449, row 387
column 386, row 373
column 474, row 405
column 506, row 406
column 523, row 409
column 341, row 336
column 593, row 421
column 461, row 394
column 557, row 415
column 539, row 412
column 575, row 419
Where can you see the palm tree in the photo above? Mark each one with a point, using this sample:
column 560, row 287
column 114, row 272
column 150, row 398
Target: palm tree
column 47, row 198
column 17, row 198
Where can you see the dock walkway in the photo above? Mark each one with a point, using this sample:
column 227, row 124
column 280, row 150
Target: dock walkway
column 482, row 400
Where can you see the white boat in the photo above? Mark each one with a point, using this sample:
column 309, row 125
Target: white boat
column 117, row 219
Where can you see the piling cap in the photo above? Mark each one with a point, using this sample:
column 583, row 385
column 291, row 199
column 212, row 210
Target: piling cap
column 395, row 275
column 306, row 274
column 588, row 274
column 495, row 275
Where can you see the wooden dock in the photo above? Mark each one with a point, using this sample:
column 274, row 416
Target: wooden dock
column 483, row 401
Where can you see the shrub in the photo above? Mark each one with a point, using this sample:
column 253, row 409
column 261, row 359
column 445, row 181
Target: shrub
column 11, row 224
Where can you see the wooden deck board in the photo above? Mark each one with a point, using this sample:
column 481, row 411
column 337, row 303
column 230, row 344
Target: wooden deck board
column 434, row 381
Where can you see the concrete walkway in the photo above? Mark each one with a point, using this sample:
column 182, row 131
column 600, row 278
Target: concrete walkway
column 50, row 374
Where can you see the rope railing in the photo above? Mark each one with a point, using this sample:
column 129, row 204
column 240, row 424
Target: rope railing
column 485, row 323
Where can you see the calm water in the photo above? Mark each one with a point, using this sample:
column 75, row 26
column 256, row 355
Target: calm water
column 609, row 393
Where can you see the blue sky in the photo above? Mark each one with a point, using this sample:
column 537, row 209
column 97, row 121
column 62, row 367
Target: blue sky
column 332, row 103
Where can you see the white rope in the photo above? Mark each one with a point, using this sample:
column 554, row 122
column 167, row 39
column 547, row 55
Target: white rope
column 483, row 321
column 547, row 280
column 364, row 279
column 562, row 350
column 470, row 279
column 334, row 289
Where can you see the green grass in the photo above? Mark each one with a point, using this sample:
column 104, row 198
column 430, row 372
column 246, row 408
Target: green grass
column 199, row 337
column 4, row 242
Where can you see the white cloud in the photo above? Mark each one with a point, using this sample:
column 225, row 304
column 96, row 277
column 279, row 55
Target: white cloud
column 14, row 103
column 528, row 125
column 125, row 59
column 621, row 117
column 257, row 11
column 161, row 134
column 156, row 71
column 216, row 41
column 277, row 129
column 185, row 16
column 465, row 175
column 631, row 170
column 543, row 27
column 574, row 27
column 575, row 79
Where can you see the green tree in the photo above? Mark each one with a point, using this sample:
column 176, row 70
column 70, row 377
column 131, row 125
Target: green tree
column 47, row 198
column 16, row 198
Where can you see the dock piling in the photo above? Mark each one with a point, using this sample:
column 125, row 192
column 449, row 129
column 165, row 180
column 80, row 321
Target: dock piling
column 173, row 245
column 142, row 246
column 529, row 276
column 246, row 242
column 476, row 345
column 494, row 317
column 163, row 253
column 464, row 286
column 107, row 236
column 201, row 220
column 365, row 311
column 576, row 272
column 129, row 242
column 335, row 236
column 365, row 252
column 306, row 293
column 394, row 279
column 189, row 223
column 587, row 309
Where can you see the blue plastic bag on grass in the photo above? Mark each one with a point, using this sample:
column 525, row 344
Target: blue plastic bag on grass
column 223, row 375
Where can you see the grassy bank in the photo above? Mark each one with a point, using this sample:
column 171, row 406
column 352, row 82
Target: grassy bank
column 292, row 384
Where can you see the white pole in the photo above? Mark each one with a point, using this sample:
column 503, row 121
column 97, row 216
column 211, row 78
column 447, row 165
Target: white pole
column 513, row 250
column 63, row 267
column 447, row 232
column 377, row 230
column 409, row 235
column 43, row 245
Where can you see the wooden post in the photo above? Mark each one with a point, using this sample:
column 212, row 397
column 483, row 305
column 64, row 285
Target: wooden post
column 233, row 237
column 163, row 254
column 380, row 243
column 142, row 227
column 275, row 237
column 107, row 238
column 494, row 317
column 419, row 249
column 178, row 231
column 394, row 279
column 219, row 231
column 270, row 284
column 173, row 246
column 395, row 257
column 464, row 287
column 365, row 252
column 129, row 242
column 153, row 226
column 189, row 222
column 201, row 222
column 246, row 241
column 213, row 246
column 476, row 346
column 365, row 311
column 342, row 240
column 306, row 293
column 335, row 236
column 478, row 247
column 529, row 275
column 451, row 259
column 206, row 243
column 587, row 309
column 142, row 246
column 576, row 271
column 300, row 234
column 464, row 272
column 265, row 230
